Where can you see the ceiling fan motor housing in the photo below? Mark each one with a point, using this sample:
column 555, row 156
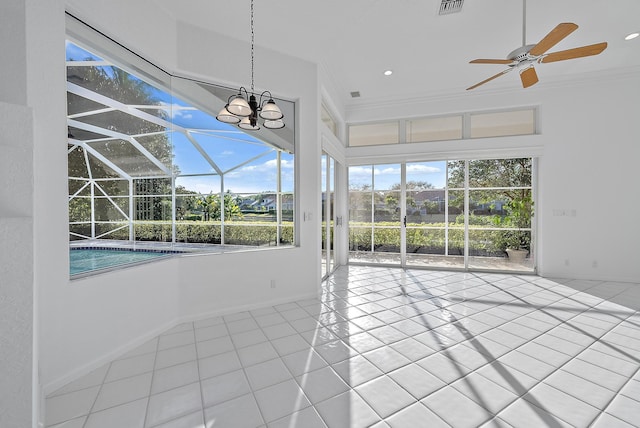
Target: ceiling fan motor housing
column 521, row 54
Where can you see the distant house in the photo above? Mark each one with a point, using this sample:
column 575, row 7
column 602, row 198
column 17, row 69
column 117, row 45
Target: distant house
column 266, row 202
column 429, row 201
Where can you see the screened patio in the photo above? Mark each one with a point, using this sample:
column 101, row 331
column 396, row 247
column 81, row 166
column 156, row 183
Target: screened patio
column 149, row 163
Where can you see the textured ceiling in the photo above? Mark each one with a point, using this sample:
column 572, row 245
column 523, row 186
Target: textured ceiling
column 356, row 40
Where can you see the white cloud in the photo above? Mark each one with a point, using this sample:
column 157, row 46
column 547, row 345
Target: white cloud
column 387, row 171
column 263, row 168
column 360, row 170
column 177, row 110
column 418, row 167
column 202, row 185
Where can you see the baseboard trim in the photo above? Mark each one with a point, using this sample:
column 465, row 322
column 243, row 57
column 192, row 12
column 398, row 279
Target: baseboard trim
column 85, row 369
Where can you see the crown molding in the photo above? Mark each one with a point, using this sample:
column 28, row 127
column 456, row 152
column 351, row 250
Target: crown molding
column 574, row 80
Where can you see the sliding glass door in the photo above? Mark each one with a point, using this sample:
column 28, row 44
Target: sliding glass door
column 456, row 214
column 434, row 217
column 375, row 213
column 328, row 220
column 501, row 205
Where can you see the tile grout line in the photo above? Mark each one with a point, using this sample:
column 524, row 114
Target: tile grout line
column 97, row 395
column 472, row 371
column 556, row 369
column 157, row 369
column 293, row 377
column 244, row 371
column 618, row 393
column 155, row 361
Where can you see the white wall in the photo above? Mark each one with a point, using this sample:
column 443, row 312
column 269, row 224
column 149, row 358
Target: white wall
column 589, row 155
column 16, row 260
column 138, row 25
column 16, row 223
column 591, row 166
column 90, row 321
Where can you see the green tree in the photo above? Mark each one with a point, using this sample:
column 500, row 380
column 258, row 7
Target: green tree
column 414, row 185
column 114, row 83
column 391, row 201
column 186, row 203
column 431, row 207
column 512, row 175
column 506, row 173
column 212, row 208
column 518, row 217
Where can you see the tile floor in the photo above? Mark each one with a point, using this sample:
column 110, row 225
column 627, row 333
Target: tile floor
column 385, row 348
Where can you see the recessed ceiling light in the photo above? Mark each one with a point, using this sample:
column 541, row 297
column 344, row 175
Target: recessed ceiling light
column 632, row 36
column 388, row 72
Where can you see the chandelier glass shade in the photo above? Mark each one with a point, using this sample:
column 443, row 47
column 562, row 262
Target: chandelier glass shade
column 244, row 109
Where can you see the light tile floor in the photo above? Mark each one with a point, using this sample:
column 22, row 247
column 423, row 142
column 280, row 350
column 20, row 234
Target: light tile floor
column 385, row 347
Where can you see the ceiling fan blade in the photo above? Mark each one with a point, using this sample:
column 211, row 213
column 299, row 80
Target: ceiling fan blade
column 529, row 77
column 575, row 52
column 490, row 79
column 491, row 61
column 554, row 37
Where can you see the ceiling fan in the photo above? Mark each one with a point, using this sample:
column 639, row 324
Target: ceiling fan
column 526, row 56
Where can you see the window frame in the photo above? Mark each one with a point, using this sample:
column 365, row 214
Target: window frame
column 119, row 56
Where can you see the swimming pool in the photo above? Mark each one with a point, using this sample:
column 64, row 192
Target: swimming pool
column 90, row 260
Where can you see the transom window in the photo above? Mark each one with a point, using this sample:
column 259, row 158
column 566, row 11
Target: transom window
column 520, row 121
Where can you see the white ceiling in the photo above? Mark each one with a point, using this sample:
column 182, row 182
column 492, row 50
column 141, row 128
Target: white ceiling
column 356, row 40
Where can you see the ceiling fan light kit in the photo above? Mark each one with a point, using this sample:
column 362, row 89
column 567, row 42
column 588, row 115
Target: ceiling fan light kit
column 526, row 56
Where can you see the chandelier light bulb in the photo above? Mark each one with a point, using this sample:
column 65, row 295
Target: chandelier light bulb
column 271, row 111
column 239, row 106
column 227, row 117
column 274, row 124
column 247, row 125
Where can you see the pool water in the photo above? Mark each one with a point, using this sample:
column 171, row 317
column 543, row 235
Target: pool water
column 83, row 260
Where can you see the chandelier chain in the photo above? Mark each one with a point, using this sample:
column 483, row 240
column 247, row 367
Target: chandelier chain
column 252, row 40
column 244, row 109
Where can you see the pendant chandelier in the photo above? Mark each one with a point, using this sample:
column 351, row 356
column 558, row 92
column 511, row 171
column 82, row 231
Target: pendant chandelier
column 245, row 108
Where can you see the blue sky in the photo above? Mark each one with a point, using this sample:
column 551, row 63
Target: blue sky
column 226, row 145
column 386, row 175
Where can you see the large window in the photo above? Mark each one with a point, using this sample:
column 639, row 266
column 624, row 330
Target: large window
column 149, row 162
column 461, row 214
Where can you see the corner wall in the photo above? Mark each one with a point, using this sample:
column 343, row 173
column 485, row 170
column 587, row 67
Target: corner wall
column 19, row 385
column 86, row 322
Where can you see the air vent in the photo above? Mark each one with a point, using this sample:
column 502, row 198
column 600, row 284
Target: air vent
column 355, row 94
column 450, row 6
